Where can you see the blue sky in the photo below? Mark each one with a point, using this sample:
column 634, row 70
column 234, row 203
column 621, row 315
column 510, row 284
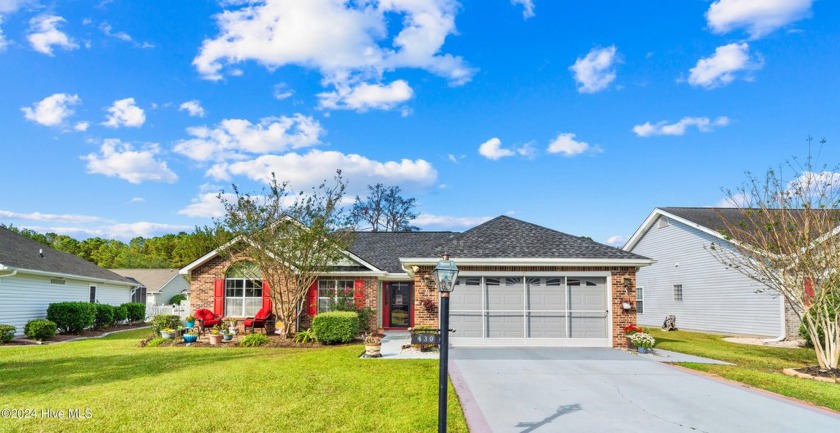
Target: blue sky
column 126, row 118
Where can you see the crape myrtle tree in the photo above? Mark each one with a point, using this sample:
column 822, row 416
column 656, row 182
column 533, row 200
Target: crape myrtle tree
column 385, row 210
column 290, row 237
column 786, row 237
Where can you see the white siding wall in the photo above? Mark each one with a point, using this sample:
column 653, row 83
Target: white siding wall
column 26, row 297
column 174, row 287
column 715, row 299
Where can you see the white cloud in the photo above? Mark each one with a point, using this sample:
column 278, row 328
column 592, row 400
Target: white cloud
column 527, row 7
column 125, row 112
column 119, row 159
column 81, row 126
column 313, row 167
column 108, row 30
column 47, row 217
column 44, row 34
column 566, row 144
column 193, row 108
column 595, row 72
column 492, row 149
column 282, row 91
column 756, row 17
column 426, row 221
column 233, row 137
column 3, row 42
column 815, row 183
column 728, row 63
column 736, row 200
column 206, row 205
column 364, row 96
column 703, row 124
column 616, row 240
column 347, row 42
column 52, row 110
column 137, row 200
column 142, row 228
column 12, row 6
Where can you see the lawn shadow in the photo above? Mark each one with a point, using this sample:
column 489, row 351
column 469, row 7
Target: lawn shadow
column 562, row 410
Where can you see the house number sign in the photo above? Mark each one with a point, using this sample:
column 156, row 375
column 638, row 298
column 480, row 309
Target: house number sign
column 425, row 339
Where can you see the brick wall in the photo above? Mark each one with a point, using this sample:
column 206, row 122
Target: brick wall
column 371, row 290
column 620, row 317
column 792, row 322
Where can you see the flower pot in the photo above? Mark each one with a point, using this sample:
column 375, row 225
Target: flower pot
column 167, row 335
column 191, row 325
column 643, row 349
column 227, row 337
column 373, row 349
column 215, row 339
column 190, row 338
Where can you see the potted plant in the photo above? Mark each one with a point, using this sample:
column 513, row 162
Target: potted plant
column 231, row 322
column 216, row 335
column 629, row 331
column 167, row 333
column 643, row 341
column 191, row 336
column 227, row 335
column 190, row 321
column 373, row 346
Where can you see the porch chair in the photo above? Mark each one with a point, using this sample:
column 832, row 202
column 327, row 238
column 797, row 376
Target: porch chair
column 258, row 321
column 206, row 319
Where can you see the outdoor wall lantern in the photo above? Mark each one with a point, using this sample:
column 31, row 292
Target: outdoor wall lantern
column 445, row 274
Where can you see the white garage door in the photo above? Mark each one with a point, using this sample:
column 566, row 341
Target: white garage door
column 555, row 311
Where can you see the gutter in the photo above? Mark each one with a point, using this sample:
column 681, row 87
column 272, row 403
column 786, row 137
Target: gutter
column 782, row 321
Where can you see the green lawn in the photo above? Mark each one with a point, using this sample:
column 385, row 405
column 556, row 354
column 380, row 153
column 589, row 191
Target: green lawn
column 758, row 366
column 170, row 389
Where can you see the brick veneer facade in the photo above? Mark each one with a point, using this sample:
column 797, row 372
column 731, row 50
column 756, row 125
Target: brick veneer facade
column 424, row 289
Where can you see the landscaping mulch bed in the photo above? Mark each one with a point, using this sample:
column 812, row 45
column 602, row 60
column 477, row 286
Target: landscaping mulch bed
column 828, row 376
column 60, row 338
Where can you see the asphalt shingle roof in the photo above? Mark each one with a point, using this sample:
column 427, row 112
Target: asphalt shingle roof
column 18, row 251
column 715, row 218
column 384, row 249
column 152, row 279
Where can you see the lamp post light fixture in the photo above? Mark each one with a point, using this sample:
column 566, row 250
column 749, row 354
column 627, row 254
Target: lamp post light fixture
column 445, row 274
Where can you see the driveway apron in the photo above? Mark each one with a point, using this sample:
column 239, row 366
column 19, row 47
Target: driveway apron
column 531, row 389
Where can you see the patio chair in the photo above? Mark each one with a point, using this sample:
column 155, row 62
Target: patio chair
column 206, row 319
column 258, row 321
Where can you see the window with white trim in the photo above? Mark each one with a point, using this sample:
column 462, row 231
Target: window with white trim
column 334, row 293
column 640, row 300
column 678, row 292
column 243, row 290
column 92, row 294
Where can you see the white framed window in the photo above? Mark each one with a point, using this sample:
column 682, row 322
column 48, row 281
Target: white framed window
column 243, row 290
column 92, row 294
column 332, row 292
column 678, row 292
column 640, row 300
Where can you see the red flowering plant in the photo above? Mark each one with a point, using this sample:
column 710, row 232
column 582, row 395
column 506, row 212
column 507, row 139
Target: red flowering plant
column 631, row 329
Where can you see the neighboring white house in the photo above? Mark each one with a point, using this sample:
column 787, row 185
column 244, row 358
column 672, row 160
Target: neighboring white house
column 33, row 275
column 159, row 285
column 687, row 281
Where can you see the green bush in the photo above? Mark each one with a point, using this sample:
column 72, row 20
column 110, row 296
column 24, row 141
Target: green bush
column 163, row 321
column 120, row 313
column 72, row 317
column 7, row 332
column 155, row 342
column 104, row 316
column 307, row 336
column 254, row 340
column 366, row 314
column 135, row 311
column 336, row 327
column 40, row 329
column 177, row 299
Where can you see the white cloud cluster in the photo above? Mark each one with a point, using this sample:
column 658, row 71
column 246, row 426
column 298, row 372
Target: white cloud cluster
column 756, row 17
column 48, row 217
column 728, row 63
column 426, row 221
column 527, row 7
column 492, row 149
column 119, row 159
column 595, row 71
column 44, row 34
column 125, row 112
column 617, row 240
column 703, row 124
column 365, row 96
column 52, row 110
column 206, row 205
column 233, row 138
column 3, row 42
column 348, row 42
column 193, row 108
column 566, row 145
column 282, row 91
column 108, row 30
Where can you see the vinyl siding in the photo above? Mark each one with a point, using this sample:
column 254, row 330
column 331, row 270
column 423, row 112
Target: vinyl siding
column 715, row 299
column 26, row 297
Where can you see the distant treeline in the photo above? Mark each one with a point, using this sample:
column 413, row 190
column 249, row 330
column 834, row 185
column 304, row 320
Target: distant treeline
column 167, row 251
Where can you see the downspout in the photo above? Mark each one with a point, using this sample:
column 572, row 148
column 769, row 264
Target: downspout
column 782, row 321
column 10, row 275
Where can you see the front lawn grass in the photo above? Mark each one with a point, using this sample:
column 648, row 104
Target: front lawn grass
column 758, row 366
column 167, row 389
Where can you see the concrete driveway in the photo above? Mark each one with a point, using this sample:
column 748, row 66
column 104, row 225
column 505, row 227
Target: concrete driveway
column 604, row 390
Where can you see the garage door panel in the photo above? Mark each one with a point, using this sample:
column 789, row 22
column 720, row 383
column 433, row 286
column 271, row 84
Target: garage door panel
column 466, row 298
column 546, row 325
column 505, row 325
column 466, row 325
column 588, row 325
column 546, row 298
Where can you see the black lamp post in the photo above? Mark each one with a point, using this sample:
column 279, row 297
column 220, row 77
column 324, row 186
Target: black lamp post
column 445, row 274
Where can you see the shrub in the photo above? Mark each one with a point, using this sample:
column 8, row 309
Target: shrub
column 307, row 336
column 120, row 314
column 177, row 299
column 163, row 321
column 40, row 329
column 72, row 317
column 366, row 314
column 254, row 340
column 7, row 332
column 155, row 342
column 136, row 311
column 104, row 316
column 336, row 327
column 642, row 339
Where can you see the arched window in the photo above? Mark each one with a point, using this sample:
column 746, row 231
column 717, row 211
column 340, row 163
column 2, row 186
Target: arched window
column 243, row 289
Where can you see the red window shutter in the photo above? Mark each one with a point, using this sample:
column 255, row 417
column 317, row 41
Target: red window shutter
column 219, row 297
column 809, row 291
column 359, row 293
column 266, row 298
column 312, row 299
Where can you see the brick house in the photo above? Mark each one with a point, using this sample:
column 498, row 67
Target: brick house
column 519, row 284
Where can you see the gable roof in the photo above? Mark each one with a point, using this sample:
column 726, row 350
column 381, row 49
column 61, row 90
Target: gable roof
column 152, row 279
column 384, row 249
column 18, row 252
